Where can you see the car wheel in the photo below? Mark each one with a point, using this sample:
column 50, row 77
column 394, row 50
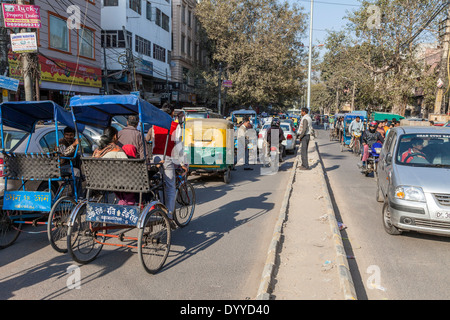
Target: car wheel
column 388, row 226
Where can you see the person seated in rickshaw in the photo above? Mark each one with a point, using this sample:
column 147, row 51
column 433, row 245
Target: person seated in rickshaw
column 67, row 148
column 108, row 149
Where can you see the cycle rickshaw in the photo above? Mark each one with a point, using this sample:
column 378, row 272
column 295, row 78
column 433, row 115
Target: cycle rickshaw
column 95, row 221
column 347, row 135
column 40, row 188
column 209, row 146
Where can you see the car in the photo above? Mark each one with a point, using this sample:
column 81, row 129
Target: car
column 43, row 140
column 413, row 180
column 289, row 134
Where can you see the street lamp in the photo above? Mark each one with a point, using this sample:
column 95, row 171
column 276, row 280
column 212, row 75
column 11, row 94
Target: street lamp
column 310, row 55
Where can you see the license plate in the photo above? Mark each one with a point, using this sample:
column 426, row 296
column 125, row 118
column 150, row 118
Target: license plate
column 443, row 215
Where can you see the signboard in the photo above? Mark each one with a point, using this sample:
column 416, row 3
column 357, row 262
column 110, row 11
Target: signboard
column 24, row 42
column 21, row 16
column 27, row 201
column 60, row 71
column 227, row 83
column 111, row 213
column 9, row 83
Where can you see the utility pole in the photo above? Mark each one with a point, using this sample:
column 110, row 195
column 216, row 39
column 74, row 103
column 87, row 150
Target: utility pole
column 219, row 103
column 26, row 68
column 130, row 59
column 310, row 55
column 440, row 99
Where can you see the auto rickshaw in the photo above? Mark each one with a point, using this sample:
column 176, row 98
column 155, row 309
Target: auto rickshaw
column 209, row 146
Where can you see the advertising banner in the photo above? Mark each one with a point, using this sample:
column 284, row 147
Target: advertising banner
column 68, row 72
column 21, row 16
column 24, row 42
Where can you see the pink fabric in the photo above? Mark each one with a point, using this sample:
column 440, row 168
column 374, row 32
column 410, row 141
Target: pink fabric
column 366, row 153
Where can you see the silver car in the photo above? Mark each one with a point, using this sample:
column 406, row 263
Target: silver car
column 43, row 140
column 413, row 180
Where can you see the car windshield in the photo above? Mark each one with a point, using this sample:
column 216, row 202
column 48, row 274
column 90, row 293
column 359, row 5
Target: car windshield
column 12, row 139
column 424, row 149
column 285, row 127
column 197, row 115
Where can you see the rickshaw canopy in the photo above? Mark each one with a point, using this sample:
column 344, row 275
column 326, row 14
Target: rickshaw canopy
column 381, row 116
column 98, row 111
column 23, row 115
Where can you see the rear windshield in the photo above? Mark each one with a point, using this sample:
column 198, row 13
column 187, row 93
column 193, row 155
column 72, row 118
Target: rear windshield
column 13, row 139
column 197, row 115
column 428, row 150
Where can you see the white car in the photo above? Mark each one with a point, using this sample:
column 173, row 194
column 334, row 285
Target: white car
column 289, row 135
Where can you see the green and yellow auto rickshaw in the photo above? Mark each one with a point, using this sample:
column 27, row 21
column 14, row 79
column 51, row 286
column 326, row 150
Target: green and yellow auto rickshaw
column 209, row 146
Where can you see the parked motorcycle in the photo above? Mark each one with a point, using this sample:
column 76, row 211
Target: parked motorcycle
column 372, row 160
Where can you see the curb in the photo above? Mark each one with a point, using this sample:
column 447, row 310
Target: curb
column 268, row 272
column 345, row 277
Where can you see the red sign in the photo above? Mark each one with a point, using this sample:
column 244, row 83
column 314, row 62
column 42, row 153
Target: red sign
column 21, row 16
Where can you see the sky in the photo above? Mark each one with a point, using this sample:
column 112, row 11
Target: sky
column 328, row 15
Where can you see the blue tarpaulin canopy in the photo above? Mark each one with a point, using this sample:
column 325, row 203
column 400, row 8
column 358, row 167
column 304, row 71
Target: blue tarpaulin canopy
column 98, row 111
column 23, row 115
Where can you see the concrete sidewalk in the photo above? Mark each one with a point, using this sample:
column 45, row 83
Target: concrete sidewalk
column 307, row 260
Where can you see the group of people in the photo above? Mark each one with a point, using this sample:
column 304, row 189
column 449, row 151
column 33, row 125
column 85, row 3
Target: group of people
column 128, row 144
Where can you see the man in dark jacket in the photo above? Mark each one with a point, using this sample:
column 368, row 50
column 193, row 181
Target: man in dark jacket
column 130, row 135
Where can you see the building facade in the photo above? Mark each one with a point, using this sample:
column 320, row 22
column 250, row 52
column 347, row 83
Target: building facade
column 69, row 52
column 136, row 36
column 188, row 52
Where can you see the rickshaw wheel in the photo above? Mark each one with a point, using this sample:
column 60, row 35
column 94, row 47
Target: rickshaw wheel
column 9, row 231
column 184, row 205
column 154, row 241
column 57, row 223
column 82, row 241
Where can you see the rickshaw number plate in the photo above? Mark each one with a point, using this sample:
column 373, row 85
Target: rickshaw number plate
column 113, row 213
column 27, row 201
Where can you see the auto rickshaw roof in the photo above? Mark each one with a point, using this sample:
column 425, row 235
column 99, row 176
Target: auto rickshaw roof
column 23, row 115
column 98, row 111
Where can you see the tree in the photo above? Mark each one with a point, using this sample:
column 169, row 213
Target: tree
column 258, row 43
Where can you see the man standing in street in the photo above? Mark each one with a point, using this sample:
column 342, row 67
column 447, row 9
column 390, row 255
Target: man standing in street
column 130, row 135
column 243, row 142
column 305, row 135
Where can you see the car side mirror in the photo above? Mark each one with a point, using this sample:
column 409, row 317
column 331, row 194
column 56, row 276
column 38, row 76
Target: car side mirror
column 388, row 158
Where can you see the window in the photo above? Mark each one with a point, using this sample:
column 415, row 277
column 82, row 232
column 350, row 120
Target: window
column 189, row 18
column 189, row 43
column 159, row 53
column 183, row 13
column 183, row 40
column 110, row 3
column 143, row 46
column 58, row 33
column 158, row 17
column 48, row 142
column 165, row 22
column 86, row 43
column 115, row 39
column 149, row 11
column 135, row 5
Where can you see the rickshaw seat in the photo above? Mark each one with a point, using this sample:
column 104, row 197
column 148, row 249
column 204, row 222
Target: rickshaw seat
column 118, row 175
column 31, row 166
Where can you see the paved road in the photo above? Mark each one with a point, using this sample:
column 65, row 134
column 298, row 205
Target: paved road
column 410, row 266
column 220, row 255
